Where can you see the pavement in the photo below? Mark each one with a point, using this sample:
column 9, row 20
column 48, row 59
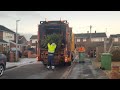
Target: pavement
column 21, row 62
column 86, row 70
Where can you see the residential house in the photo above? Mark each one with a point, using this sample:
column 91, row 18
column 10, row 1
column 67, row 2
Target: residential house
column 87, row 37
column 115, row 38
column 3, row 45
column 33, row 41
column 6, row 35
column 8, row 40
column 90, row 40
column 22, row 43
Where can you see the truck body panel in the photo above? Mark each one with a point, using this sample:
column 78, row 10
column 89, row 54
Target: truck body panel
column 62, row 54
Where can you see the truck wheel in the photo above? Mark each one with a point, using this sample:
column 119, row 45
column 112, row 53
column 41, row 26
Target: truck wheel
column 64, row 63
column 72, row 58
column 69, row 63
column 45, row 64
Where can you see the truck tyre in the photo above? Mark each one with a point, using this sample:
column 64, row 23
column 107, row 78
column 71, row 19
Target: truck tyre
column 64, row 63
column 45, row 64
column 69, row 63
column 72, row 57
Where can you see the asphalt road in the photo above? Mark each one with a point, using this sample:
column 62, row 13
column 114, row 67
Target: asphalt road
column 34, row 71
column 39, row 71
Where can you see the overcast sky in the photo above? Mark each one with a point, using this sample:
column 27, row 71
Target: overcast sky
column 80, row 21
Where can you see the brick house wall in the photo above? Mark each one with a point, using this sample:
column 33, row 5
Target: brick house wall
column 12, row 45
column 1, row 35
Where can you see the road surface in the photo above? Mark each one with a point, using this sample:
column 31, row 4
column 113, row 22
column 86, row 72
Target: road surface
column 39, row 71
column 34, row 71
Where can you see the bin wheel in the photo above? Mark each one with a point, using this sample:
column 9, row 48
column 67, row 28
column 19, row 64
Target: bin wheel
column 102, row 68
column 81, row 61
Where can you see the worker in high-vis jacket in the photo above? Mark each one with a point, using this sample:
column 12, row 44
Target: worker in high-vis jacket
column 51, row 51
column 81, row 51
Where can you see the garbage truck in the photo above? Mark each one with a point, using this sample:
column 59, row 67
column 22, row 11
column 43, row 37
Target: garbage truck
column 61, row 29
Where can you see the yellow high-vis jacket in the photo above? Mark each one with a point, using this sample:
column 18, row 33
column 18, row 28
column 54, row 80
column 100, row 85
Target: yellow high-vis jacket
column 51, row 48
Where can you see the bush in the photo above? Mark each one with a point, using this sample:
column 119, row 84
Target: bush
column 116, row 55
column 53, row 38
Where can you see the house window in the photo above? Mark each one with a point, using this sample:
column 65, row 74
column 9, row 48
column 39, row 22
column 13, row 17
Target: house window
column 94, row 39
column 101, row 39
column 78, row 40
column 115, row 39
column 97, row 39
column 84, row 40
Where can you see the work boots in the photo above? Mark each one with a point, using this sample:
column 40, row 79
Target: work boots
column 53, row 67
column 48, row 67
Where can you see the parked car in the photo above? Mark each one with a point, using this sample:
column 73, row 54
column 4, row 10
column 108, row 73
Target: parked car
column 3, row 60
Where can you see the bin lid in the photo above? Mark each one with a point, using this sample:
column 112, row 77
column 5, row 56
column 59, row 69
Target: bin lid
column 106, row 54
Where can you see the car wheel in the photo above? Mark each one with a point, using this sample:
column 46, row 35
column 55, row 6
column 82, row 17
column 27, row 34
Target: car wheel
column 1, row 70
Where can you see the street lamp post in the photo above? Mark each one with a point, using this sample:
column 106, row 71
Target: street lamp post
column 16, row 38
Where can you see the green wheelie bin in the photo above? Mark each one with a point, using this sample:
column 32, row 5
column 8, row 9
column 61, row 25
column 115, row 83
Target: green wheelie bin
column 106, row 61
column 81, row 57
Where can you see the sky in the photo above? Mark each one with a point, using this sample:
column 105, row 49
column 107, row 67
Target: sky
column 80, row 21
